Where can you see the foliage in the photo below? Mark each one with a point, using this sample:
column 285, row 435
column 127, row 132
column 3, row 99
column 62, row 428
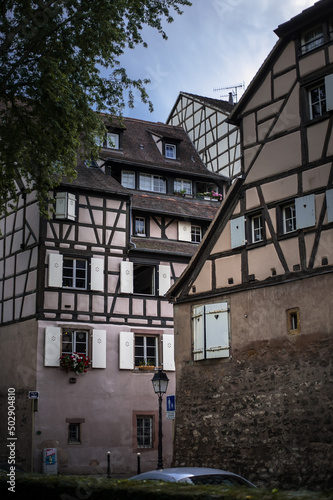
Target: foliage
column 52, row 87
column 211, row 194
column 77, row 363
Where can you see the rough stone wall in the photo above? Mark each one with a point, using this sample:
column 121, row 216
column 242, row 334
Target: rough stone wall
column 265, row 414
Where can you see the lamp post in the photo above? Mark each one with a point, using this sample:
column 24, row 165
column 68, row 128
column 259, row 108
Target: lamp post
column 160, row 385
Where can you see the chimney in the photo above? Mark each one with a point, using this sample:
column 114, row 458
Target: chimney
column 231, row 100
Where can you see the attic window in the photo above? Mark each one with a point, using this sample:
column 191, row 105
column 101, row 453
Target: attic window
column 170, row 151
column 112, row 140
column 312, row 39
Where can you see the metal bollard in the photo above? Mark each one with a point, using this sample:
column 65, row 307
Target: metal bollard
column 109, row 468
column 139, row 468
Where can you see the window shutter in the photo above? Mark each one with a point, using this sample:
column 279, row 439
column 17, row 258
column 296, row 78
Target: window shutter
column 198, row 333
column 329, row 92
column 97, row 274
column 163, row 279
column 61, row 205
column 55, row 270
column 305, row 211
column 217, row 330
column 98, row 359
column 184, row 231
column 126, row 350
column 237, row 227
column 168, row 352
column 52, row 347
column 126, row 277
column 71, row 206
column 329, row 203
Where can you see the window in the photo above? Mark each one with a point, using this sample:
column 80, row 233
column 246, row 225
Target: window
column 257, row 228
column 144, row 431
column 112, row 140
column 152, row 183
column 196, row 234
column 75, row 273
column 312, row 39
column 65, row 207
column 140, row 226
column 128, row 179
column 74, row 341
column 146, row 351
column 144, row 278
column 74, row 433
column 170, row 151
column 289, row 218
column 293, row 321
column 317, row 100
column 210, row 327
column 183, row 186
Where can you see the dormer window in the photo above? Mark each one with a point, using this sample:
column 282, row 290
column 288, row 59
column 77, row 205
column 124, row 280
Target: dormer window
column 183, row 186
column 128, row 179
column 312, row 39
column 152, row 183
column 112, row 140
column 170, row 151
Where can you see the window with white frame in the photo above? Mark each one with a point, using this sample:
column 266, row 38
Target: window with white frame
column 196, row 234
column 65, row 207
column 154, row 183
column 210, row 328
column 128, row 179
column 75, row 273
column 170, row 151
column 140, row 226
column 155, row 279
column 320, row 97
column 257, row 228
column 146, row 350
column 299, row 214
column 112, row 140
column 183, row 186
column 74, row 341
column 312, row 39
column 289, row 218
column 144, row 431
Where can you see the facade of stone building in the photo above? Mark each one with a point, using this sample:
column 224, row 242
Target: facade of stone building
column 253, row 310
column 92, row 280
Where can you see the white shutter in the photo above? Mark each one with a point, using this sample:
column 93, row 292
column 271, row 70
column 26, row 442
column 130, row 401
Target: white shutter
column 163, row 279
column 237, row 227
column 97, row 274
column 217, row 330
column 198, row 333
column 61, row 205
column 98, row 358
column 305, row 211
column 55, row 270
column 71, row 206
column 126, row 350
column 168, row 352
column 126, row 277
column 52, row 347
column 184, row 231
column 329, row 92
column 329, row 204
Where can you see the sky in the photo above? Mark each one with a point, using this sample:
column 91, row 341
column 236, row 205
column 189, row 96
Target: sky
column 214, row 44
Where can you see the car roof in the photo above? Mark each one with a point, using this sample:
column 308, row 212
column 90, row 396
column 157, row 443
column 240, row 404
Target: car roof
column 177, row 473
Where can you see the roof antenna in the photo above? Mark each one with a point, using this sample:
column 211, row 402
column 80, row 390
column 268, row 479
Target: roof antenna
column 232, row 96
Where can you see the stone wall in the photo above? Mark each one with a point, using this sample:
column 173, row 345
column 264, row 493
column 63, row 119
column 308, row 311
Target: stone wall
column 265, row 414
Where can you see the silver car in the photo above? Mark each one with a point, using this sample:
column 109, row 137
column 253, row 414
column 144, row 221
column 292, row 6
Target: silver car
column 194, row 475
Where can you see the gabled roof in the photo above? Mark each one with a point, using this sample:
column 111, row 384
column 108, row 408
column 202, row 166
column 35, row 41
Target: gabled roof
column 217, row 104
column 140, row 147
column 285, row 32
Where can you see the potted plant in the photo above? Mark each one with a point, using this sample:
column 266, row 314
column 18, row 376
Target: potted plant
column 74, row 362
column 146, row 365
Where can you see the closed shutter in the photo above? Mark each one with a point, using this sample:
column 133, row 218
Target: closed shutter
column 52, row 346
column 329, row 92
column 71, row 206
column 163, row 279
column 97, row 274
column 217, row 330
column 98, row 358
column 184, row 231
column 237, row 228
column 305, row 211
column 126, row 277
column 329, row 203
column 61, row 205
column 198, row 333
column 55, row 270
column 168, row 352
column 126, row 350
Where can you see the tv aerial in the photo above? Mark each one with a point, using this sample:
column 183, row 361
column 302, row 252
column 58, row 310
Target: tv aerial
column 232, row 96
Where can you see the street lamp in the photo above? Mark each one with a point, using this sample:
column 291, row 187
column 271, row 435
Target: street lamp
column 160, row 385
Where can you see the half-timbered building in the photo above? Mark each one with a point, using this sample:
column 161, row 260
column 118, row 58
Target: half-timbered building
column 253, row 310
column 206, row 122
column 91, row 282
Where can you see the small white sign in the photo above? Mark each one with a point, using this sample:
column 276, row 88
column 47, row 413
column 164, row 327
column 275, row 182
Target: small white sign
column 33, row 395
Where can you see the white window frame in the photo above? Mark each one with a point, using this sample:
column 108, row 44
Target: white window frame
column 313, row 38
column 141, row 222
column 289, row 218
column 211, row 331
column 74, row 342
column 128, row 179
column 127, row 351
column 196, row 234
column 154, row 183
column 112, row 140
column 320, row 102
column 183, row 185
column 75, row 278
column 257, row 229
column 170, row 151
column 145, row 357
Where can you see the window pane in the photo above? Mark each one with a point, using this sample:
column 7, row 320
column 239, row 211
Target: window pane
column 140, row 225
column 74, row 433
column 317, row 101
column 144, row 279
column 289, row 218
column 257, row 226
column 144, row 429
column 128, row 179
column 170, row 151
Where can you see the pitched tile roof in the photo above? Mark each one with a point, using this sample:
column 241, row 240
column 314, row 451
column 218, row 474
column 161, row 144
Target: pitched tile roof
column 94, row 178
column 165, row 246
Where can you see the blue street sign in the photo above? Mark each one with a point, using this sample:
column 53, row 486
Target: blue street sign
column 171, row 403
